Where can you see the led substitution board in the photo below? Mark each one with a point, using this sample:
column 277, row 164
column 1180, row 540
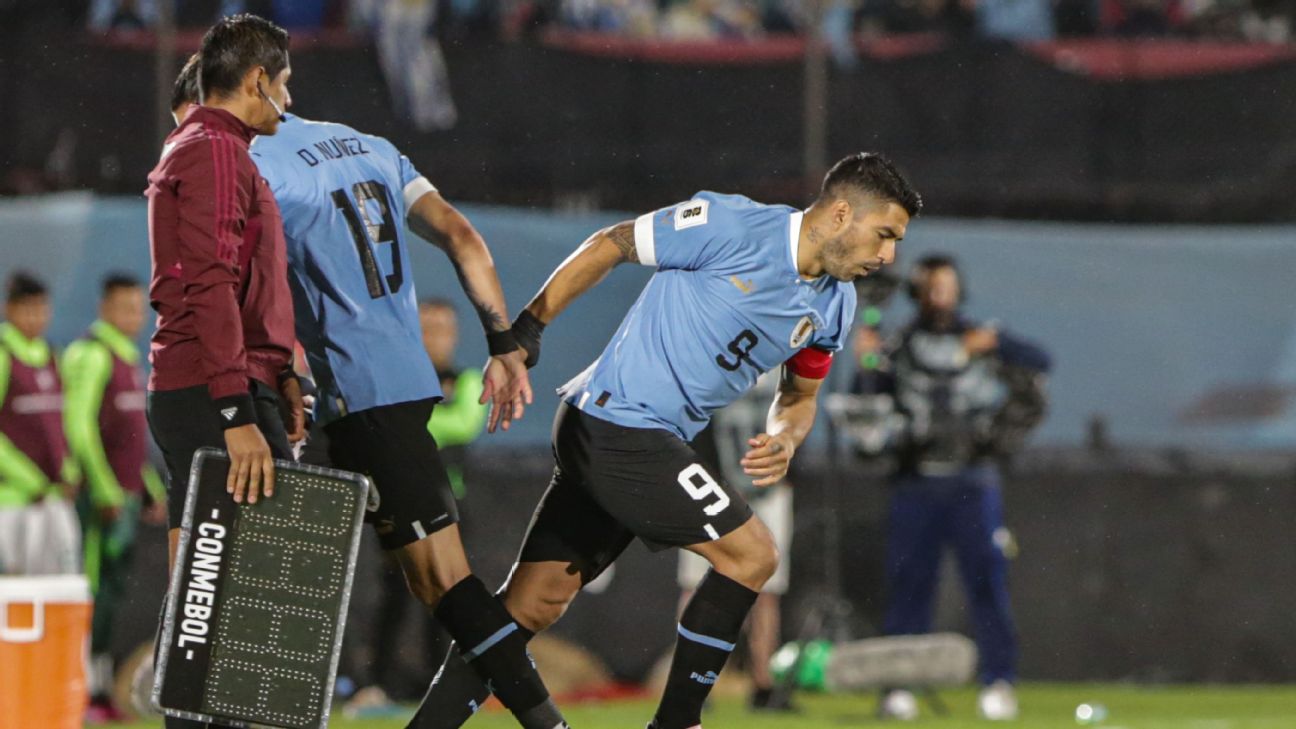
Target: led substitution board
column 258, row 597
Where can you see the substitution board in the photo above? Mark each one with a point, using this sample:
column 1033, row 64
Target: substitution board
column 253, row 624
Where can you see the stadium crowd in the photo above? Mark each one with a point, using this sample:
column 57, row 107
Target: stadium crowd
column 1266, row 21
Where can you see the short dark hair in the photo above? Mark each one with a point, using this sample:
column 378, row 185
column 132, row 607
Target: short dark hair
column 874, row 174
column 185, row 90
column 933, row 261
column 437, row 302
column 924, row 267
column 236, row 44
column 24, row 285
column 119, row 280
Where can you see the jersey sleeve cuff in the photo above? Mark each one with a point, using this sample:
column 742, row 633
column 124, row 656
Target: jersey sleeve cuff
column 645, row 245
column 417, row 188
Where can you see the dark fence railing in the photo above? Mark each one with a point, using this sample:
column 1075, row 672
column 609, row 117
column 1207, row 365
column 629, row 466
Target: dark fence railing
column 1096, row 130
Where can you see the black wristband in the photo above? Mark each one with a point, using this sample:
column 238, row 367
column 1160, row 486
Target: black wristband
column 500, row 343
column 235, row 410
column 528, row 329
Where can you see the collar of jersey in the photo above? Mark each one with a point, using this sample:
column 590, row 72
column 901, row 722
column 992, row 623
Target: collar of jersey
column 794, row 248
column 794, row 240
column 32, row 352
column 114, row 339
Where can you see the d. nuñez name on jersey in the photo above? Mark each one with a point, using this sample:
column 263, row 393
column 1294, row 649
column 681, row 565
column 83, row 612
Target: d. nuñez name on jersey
column 726, row 305
column 344, row 197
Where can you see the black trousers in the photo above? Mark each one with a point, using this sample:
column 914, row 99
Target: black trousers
column 182, row 421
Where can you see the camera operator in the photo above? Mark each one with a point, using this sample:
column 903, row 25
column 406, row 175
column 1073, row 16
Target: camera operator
column 966, row 395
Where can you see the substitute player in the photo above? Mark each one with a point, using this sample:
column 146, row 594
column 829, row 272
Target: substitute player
column 740, row 288
column 38, row 476
column 103, row 415
column 346, row 198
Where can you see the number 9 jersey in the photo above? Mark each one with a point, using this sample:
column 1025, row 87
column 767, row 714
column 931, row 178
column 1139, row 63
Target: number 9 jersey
column 344, row 197
column 726, row 305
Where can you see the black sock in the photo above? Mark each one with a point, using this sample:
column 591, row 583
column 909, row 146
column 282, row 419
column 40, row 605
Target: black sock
column 495, row 646
column 456, row 693
column 708, row 630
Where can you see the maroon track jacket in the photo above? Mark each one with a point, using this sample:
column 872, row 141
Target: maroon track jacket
column 220, row 279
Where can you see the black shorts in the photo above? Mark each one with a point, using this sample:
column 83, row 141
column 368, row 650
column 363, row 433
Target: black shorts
column 182, row 421
column 612, row 484
column 411, row 496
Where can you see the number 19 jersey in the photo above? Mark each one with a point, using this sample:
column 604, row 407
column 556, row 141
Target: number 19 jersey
column 344, row 197
column 726, row 305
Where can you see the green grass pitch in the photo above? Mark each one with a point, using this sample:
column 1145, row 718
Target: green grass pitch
column 1046, row 706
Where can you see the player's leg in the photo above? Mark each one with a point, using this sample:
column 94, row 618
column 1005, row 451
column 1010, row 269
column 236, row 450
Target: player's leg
column 915, row 539
column 656, row 486
column 570, row 541
column 536, row 595
column 391, row 614
column 416, row 519
column 59, row 550
column 741, row 561
column 762, row 641
column 113, row 551
column 980, row 540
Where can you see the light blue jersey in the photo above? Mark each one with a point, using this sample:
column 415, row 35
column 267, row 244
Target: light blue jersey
column 725, row 306
column 344, row 196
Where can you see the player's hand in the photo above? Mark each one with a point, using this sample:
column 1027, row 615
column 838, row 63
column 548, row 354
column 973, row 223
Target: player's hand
column 977, row 342
column 155, row 514
column 506, row 386
column 251, row 465
column 768, row 460
column 294, row 412
column 109, row 514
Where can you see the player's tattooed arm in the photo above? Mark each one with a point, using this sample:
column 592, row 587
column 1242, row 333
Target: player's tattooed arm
column 437, row 221
column 583, row 269
column 623, row 237
column 505, row 384
column 491, row 316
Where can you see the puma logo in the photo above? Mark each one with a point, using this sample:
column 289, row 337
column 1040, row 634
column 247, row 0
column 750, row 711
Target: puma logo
column 746, row 287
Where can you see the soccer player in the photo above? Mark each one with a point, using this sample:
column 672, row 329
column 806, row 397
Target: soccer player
column 346, row 198
column 184, row 93
column 38, row 528
column 457, row 420
column 103, row 415
column 740, row 288
column 221, row 353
